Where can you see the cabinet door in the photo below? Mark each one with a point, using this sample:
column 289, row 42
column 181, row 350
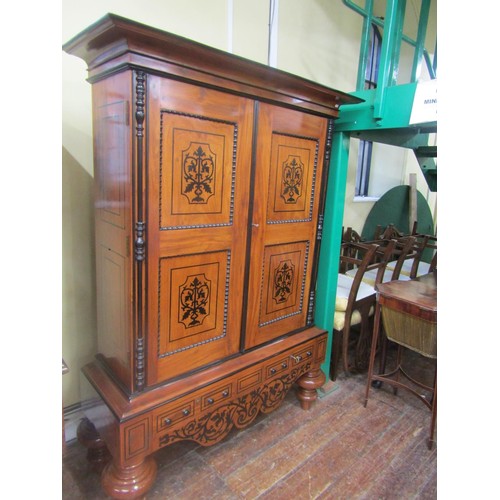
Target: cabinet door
column 199, row 159
column 288, row 178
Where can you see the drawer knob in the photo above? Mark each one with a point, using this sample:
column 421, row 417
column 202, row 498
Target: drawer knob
column 225, row 394
column 168, row 421
column 284, row 365
column 185, row 412
column 273, row 371
column 210, row 401
column 309, row 354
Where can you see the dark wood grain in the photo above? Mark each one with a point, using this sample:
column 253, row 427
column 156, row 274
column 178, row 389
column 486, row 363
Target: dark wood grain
column 115, row 42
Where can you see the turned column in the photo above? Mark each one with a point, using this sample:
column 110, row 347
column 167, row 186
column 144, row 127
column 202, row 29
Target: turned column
column 130, row 481
column 308, row 384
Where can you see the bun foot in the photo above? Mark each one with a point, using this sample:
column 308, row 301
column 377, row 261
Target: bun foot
column 308, row 384
column 130, row 482
column 97, row 453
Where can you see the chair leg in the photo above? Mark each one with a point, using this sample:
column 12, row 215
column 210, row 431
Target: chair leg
column 376, row 327
column 382, row 349
column 362, row 352
column 345, row 347
column 336, row 353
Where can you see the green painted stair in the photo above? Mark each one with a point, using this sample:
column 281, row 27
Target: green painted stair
column 394, row 127
column 427, row 159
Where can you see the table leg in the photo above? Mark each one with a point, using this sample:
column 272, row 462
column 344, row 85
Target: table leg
column 434, row 413
column 376, row 327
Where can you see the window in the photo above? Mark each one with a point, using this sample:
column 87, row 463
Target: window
column 365, row 147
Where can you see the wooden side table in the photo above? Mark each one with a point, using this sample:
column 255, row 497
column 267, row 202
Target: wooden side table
column 408, row 310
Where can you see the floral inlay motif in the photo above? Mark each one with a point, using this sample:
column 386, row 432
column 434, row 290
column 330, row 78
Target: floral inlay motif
column 194, row 300
column 199, row 164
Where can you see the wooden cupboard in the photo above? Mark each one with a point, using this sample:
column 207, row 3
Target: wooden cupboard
column 210, row 175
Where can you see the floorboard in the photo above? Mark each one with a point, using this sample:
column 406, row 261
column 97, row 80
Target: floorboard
column 337, row 450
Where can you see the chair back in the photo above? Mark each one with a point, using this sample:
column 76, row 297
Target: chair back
column 405, row 249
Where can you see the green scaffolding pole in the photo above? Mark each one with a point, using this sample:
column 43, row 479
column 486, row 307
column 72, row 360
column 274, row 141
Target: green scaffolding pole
column 331, row 240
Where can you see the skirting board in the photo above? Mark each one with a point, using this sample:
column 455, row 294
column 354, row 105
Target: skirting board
column 73, row 414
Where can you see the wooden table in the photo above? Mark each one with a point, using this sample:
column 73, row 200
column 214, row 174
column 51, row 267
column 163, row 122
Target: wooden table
column 408, row 310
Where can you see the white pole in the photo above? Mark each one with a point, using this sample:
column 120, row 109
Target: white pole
column 230, row 6
column 273, row 33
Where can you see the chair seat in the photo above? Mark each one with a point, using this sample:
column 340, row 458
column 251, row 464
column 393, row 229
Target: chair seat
column 339, row 318
column 344, row 284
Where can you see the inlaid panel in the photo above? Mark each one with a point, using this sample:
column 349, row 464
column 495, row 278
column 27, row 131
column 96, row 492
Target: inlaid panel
column 283, row 281
column 137, row 437
column 111, row 151
column 112, row 311
column 197, row 169
column 292, row 178
column 193, row 297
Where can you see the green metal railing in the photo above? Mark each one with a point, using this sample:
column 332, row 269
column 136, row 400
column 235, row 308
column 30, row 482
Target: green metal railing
column 393, row 31
column 383, row 109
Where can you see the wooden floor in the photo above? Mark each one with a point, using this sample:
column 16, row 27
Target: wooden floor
column 337, row 450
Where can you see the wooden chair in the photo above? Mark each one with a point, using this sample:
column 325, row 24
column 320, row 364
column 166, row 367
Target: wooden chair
column 407, row 253
column 429, row 255
column 425, row 260
column 388, row 233
column 354, row 304
column 402, row 250
column 349, row 236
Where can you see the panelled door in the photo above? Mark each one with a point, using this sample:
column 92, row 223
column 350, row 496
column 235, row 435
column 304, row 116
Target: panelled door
column 198, row 168
column 286, row 200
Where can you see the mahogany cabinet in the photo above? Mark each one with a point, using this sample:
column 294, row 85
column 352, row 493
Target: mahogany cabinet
column 210, row 174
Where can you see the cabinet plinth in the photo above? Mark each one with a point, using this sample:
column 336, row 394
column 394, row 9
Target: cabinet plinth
column 210, row 175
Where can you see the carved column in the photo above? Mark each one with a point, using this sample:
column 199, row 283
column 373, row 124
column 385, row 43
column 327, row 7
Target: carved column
column 131, row 481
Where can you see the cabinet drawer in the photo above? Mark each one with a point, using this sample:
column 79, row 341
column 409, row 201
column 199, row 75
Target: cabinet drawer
column 306, row 353
column 208, row 413
column 174, row 414
column 215, row 395
column 277, row 366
